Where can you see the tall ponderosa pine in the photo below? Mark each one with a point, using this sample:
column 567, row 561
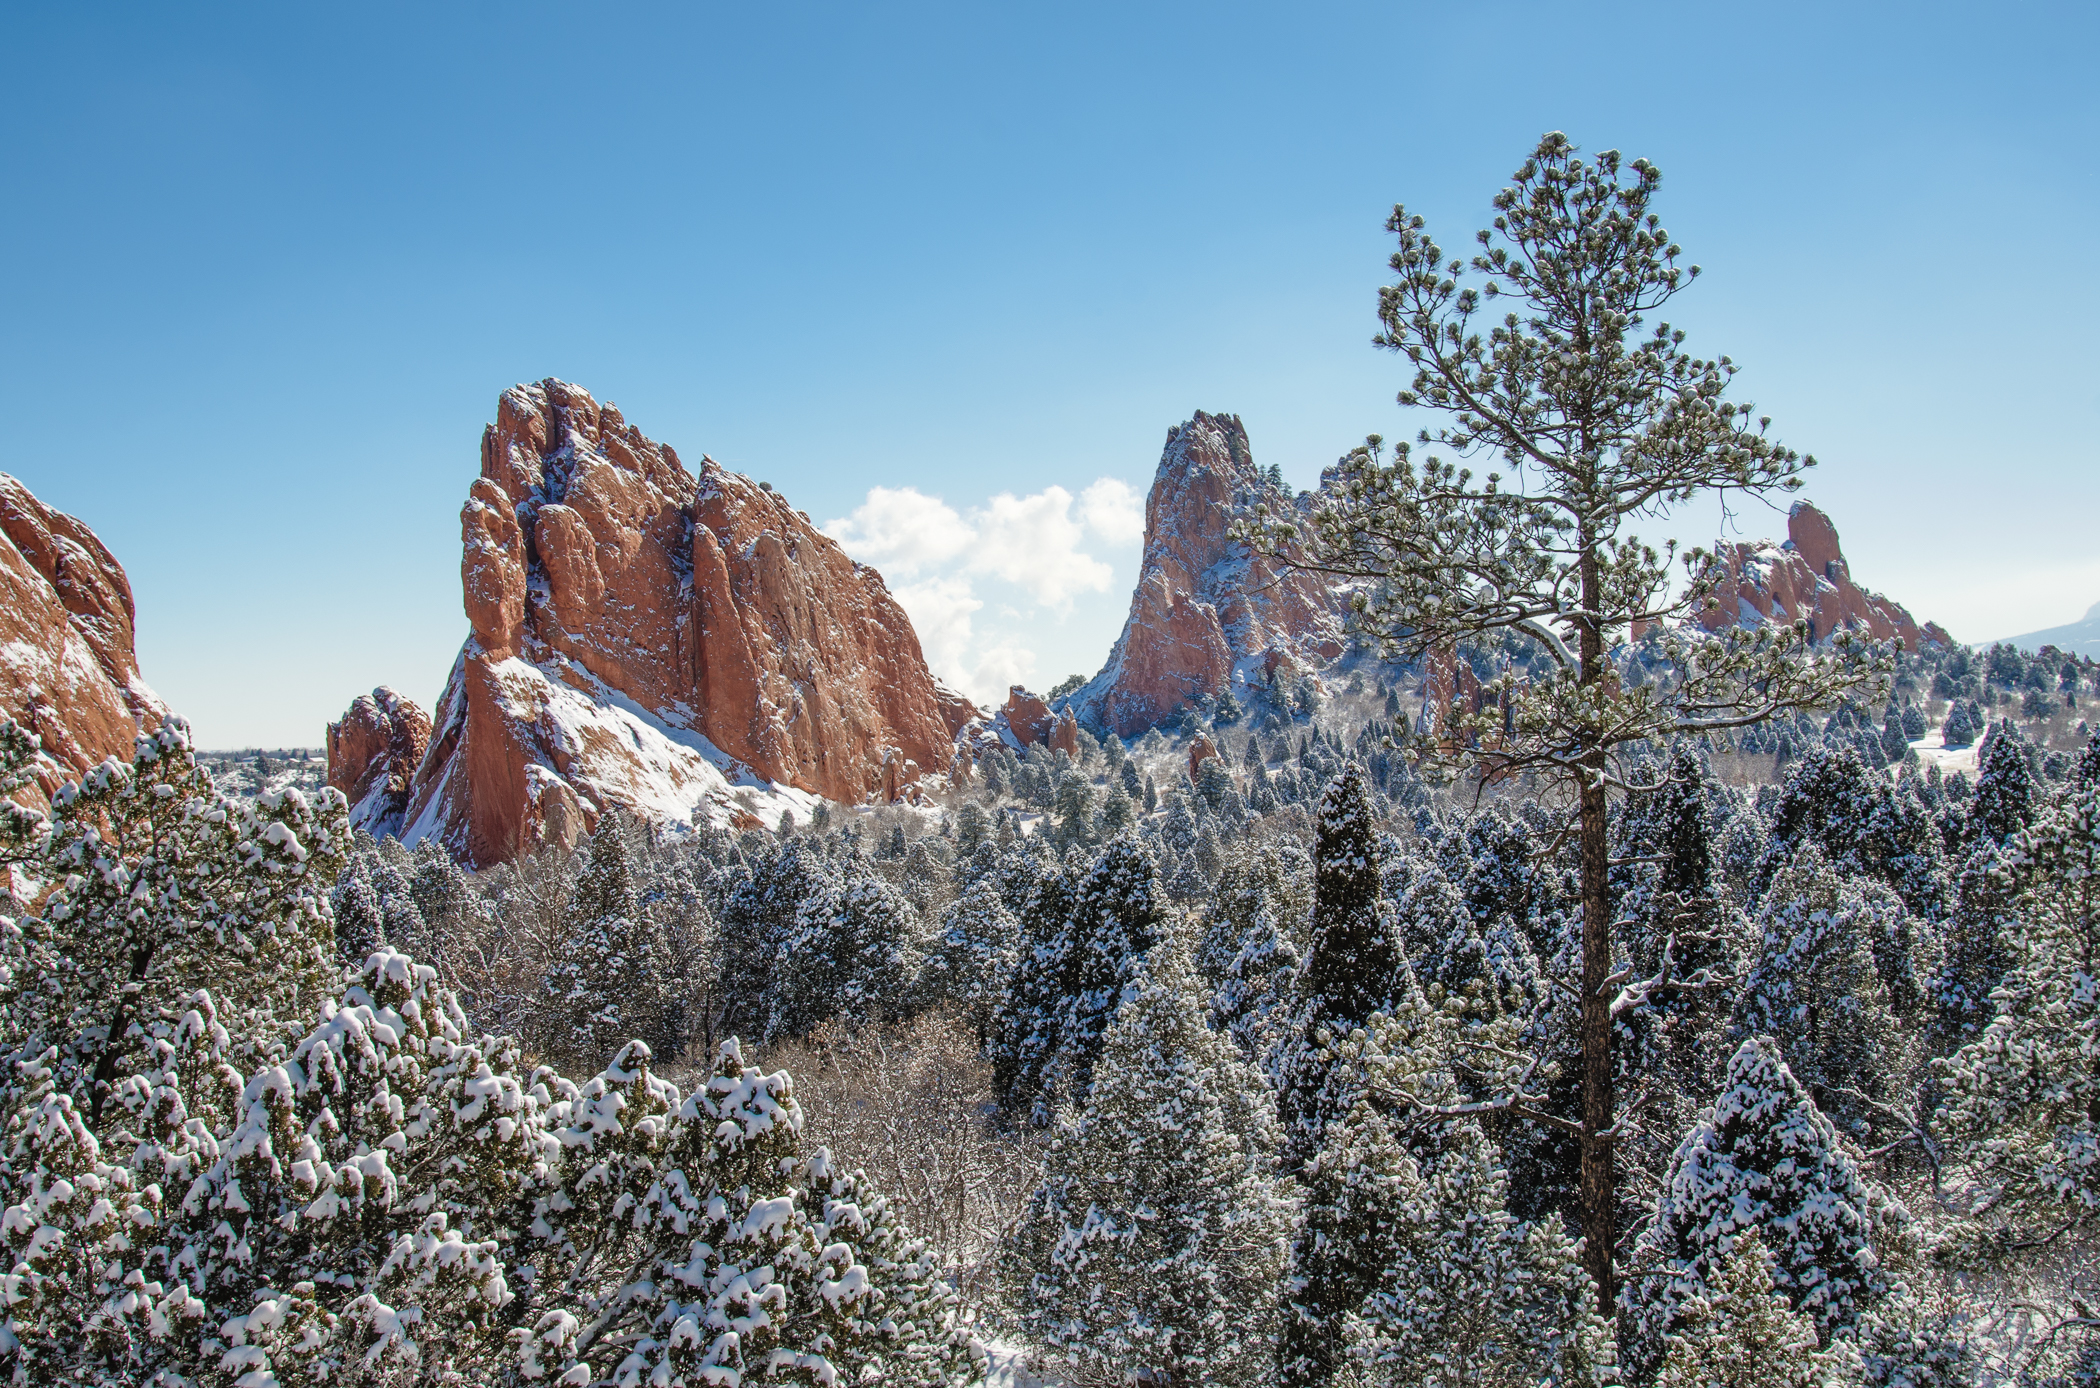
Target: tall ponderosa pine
column 1353, row 966
column 1598, row 420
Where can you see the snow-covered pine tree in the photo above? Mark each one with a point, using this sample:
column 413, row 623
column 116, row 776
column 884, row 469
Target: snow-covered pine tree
column 1763, row 1158
column 1815, row 991
column 1118, row 915
column 758, row 919
column 1739, row 1333
column 1406, row 1261
column 359, row 926
column 162, row 888
column 1250, row 951
column 1353, row 965
column 2022, row 1097
column 2007, row 795
column 599, row 994
column 976, row 952
column 853, row 955
column 693, row 1240
column 1024, row 1035
column 1156, row 1241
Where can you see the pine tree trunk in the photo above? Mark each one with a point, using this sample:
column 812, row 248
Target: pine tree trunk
column 1599, row 1203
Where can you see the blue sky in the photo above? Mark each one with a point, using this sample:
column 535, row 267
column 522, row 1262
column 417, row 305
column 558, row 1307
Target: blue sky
column 270, row 266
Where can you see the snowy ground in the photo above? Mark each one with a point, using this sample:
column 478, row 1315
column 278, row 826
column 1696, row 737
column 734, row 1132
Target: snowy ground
column 1931, row 752
column 1010, row 1368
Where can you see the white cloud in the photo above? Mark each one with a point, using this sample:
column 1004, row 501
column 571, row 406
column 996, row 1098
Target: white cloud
column 1036, row 543
column 901, row 530
column 1111, row 509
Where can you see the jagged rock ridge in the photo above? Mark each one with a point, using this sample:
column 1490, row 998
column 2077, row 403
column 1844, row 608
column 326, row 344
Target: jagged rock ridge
column 1807, row 578
column 684, row 647
column 69, row 669
column 1207, row 611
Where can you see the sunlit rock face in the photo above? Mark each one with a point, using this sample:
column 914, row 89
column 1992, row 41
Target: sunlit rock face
column 688, row 647
column 1807, row 578
column 69, row 669
column 1208, row 611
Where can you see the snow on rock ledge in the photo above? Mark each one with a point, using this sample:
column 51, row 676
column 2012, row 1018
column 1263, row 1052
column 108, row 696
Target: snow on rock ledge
column 69, row 669
column 690, row 648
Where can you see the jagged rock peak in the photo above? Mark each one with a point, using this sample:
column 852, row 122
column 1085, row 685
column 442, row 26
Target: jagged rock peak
column 1207, row 612
column 373, row 753
column 682, row 646
column 69, row 669
column 1808, row 578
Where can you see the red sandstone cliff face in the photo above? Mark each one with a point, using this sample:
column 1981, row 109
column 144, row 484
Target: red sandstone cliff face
column 69, row 671
column 1808, row 578
column 647, row 638
column 1206, row 610
column 373, row 753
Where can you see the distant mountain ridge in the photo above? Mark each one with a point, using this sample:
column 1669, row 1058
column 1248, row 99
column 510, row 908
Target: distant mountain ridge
column 2073, row 638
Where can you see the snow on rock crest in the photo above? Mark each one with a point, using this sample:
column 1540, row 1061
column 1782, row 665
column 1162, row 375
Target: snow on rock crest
column 69, row 669
column 1207, row 612
column 689, row 648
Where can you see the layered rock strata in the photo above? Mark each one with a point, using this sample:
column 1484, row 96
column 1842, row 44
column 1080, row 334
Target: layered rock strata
column 1807, row 578
column 683, row 646
column 1208, row 612
column 69, row 669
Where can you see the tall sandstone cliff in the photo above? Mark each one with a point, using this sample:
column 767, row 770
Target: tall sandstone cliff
column 69, row 670
column 1207, row 611
column 683, row 647
column 1807, row 578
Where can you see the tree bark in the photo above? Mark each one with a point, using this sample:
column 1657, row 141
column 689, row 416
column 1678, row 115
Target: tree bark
column 1599, row 1200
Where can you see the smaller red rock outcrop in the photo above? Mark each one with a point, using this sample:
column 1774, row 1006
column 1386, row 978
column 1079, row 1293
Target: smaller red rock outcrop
column 1208, row 611
column 373, row 753
column 1200, row 751
column 1808, row 578
column 69, row 669
column 1027, row 717
column 1065, row 736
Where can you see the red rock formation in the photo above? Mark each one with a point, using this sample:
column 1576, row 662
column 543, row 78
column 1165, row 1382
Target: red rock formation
column 373, row 753
column 1206, row 610
column 957, row 712
column 1027, row 717
column 1807, row 578
column 69, row 671
column 1065, row 736
column 645, row 638
column 1200, row 751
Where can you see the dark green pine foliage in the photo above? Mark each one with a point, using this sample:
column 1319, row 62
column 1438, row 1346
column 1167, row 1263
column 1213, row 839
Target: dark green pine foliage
column 597, row 991
column 1979, row 939
column 853, row 955
column 359, row 927
column 1862, row 823
column 405, row 927
column 2088, row 773
column 758, row 920
column 1023, row 1038
column 2007, row 794
column 1353, row 966
column 1118, row 915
